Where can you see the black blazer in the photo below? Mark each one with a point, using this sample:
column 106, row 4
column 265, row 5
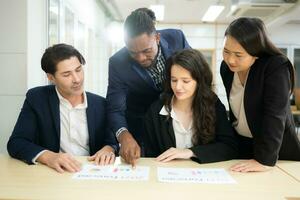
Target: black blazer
column 159, row 136
column 131, row 89
column 267, row 109
column 38, row 125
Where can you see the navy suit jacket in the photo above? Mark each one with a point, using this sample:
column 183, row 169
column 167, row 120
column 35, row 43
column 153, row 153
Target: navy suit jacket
column 131, row 90
column 38, row 125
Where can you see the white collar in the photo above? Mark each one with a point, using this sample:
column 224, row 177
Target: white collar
column 164, row 111
column 65, row 102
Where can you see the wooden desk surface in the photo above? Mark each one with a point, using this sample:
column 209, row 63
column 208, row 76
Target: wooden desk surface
column 290, row 167
column 22, row 181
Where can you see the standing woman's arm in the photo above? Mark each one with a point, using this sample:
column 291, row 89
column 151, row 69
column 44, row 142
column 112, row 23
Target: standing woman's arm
column 275, row 106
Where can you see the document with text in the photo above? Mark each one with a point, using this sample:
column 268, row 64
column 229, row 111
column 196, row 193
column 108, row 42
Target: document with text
column 117, row 173
column 194, row 175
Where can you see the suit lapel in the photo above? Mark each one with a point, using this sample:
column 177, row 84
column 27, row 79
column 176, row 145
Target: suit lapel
column 165, row 48
column 54, row 106
column 171, row 132
column 228, row 79
column 250, row 98
column 143, row 74
column 90, row 113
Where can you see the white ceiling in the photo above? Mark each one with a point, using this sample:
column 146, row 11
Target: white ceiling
column 176, row 11
column 190, row 11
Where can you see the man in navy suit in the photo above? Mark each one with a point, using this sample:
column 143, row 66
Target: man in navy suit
column 61, row 120
column 136, row 76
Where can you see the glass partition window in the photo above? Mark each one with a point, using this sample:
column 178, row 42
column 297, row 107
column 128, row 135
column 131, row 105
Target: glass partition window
column 81, row 38
column 209, row 55
column 284, row 51
column 53, row 25
column 69, row 26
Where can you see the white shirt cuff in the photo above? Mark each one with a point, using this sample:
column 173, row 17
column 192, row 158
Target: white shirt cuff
column 36, row 157
column 120, row 131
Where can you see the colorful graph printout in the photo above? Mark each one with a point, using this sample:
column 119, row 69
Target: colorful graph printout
column 118, row 173
column 194, row 175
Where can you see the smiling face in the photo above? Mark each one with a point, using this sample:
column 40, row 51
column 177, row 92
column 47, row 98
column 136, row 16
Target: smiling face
column 182, row 83
column 143, row 48
column 235, row 56
column 68, row 78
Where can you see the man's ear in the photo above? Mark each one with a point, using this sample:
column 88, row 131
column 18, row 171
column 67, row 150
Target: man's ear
column 51, row 78
column 157, row 37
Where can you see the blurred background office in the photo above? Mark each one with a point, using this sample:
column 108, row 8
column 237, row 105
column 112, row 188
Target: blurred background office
column 95, row 28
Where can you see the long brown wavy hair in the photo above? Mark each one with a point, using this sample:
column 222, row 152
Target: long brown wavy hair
column 203, row 104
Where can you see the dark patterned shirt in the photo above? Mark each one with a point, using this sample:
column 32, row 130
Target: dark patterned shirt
column 157, row 71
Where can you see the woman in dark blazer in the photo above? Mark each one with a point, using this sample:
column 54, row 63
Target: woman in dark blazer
column 259, row 80
column 189, row 121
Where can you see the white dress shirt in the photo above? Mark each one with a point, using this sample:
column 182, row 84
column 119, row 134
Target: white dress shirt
column 74, row 135
column 183, row 137
column 236, row 101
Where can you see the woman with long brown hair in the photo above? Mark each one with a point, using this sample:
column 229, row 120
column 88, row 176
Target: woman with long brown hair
column 189, row 121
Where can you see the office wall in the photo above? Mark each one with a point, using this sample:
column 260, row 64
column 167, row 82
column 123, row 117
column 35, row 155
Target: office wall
column 22, row 38
column 287, row 34
column 13, row 56
column 36, row 41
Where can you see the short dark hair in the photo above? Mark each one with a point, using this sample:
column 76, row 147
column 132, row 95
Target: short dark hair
column 141, row 20
column 57, row 53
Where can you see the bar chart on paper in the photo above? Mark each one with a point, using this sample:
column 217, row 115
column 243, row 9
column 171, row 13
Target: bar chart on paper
column 118, row 173
column 194, row 175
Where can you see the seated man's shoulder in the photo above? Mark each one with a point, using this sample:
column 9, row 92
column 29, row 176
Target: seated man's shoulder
column 96, row 103
column 40, row 91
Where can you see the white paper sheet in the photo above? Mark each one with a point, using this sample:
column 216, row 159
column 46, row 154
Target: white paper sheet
column 194, row 175
column 118, row 173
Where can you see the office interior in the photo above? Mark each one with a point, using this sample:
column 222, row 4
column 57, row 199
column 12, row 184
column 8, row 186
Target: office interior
column 95, row 28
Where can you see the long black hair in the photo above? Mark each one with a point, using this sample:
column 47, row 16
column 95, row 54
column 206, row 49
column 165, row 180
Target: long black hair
column 203, row 104
column 251, row 34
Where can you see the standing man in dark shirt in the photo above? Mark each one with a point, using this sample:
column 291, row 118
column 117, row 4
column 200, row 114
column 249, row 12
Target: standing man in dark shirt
column 136, row 76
